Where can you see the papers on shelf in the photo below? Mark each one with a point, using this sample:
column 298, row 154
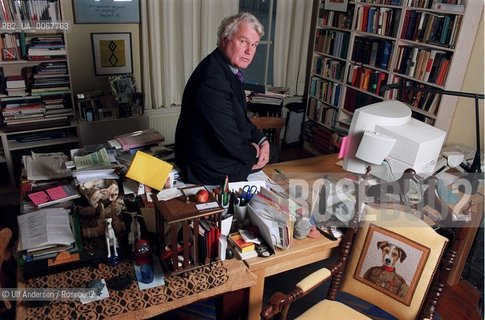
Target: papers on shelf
column 46, row 166
column 45, row 228
column 139, row 138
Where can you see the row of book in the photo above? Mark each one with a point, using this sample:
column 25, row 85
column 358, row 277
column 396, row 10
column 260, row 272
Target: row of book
column 22, row 46
column 386, row 2
column 341, row 20
column 378, row 20
column 321, row 113
column 447, row 5
column 326, row 91
column 30, row 10
column 329, row 68
column 320, row 137
column 372, row 52
column 427, row 102
column 366, row 79
column 30, row 112
column 432, row 28
column 355, row 99
column 422, row 64
column 335, row 43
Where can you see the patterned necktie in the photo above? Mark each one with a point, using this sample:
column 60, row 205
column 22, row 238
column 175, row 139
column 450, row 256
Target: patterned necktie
column 239, row 75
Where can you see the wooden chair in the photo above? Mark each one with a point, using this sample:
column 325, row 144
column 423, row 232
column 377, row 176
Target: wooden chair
column 409, row 289
column 271, row 127
column 5, row 254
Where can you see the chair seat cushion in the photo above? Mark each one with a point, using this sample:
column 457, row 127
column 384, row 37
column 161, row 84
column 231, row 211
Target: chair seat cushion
column 329, row 309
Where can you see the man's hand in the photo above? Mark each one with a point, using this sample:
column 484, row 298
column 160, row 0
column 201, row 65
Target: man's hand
column 263, row 156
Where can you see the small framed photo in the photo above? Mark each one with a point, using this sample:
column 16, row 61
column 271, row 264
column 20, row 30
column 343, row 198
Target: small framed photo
column 138, row 104
column 122, row 87
column 10, row 54
column 336, row 5
column 391, row 263
column 112, row 53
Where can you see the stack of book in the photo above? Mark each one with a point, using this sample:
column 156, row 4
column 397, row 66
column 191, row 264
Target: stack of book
column 45, row 232
column 15, row 85
column 46, row 47
column 243, row 249
column 29, row 112
column 54, row 195
column 50, row 77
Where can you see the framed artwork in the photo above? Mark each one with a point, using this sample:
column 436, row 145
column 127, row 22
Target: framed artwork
column 106, row 11
column 122, row 87
column 336, row 5
column 391, row 263
column 112, row 53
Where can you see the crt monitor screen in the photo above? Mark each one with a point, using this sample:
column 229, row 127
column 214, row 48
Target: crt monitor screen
column 417, row 145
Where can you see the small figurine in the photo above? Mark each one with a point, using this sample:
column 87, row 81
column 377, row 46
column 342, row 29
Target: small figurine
column 111, row 241
column 135, row 233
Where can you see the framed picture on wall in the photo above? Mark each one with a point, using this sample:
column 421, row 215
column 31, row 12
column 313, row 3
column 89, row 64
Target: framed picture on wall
column 112, row 53
column 336, row 5
column 106, row 11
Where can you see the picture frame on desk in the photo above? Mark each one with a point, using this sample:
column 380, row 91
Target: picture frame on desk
column 112, row 53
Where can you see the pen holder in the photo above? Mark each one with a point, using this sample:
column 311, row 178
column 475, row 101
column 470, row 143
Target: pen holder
column 240, row 211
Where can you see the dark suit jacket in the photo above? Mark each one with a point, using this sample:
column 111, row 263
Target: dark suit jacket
column 214, row 135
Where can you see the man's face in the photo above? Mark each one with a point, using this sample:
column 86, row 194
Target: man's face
column 240, row 49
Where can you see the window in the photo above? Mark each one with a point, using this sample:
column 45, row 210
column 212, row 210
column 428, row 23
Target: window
column 260, row 71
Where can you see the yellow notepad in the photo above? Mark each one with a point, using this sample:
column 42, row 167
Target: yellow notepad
column 149, row 170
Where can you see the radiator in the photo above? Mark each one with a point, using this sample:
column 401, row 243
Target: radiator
column 165, row 121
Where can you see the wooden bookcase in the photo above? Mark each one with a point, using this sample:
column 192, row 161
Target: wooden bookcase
column 377, row 42
column 33, row 50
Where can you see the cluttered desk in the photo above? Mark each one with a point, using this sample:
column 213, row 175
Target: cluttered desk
column 190, row 225
column 85, row 247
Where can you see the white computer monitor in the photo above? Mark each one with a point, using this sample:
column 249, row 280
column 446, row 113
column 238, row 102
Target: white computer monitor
column 388, row 124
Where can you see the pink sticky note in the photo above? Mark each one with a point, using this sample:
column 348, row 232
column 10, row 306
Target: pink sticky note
column 39, row 197
column 57, row 193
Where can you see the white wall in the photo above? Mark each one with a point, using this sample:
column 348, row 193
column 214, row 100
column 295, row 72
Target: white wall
column 81, row 62
column 463, row 125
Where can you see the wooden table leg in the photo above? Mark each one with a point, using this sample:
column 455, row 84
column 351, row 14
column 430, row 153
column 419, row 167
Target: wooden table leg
column 256, row 296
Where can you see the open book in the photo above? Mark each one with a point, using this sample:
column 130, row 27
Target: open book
column 45, row 228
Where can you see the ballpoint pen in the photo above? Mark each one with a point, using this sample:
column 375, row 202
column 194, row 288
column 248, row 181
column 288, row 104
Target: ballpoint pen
column 282, row 175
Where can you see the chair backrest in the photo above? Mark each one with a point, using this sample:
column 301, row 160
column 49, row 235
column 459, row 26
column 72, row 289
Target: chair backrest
column 271, row 127
column 393, row 261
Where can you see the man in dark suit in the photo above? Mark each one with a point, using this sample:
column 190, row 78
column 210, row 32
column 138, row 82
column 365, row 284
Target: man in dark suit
column 214, row 136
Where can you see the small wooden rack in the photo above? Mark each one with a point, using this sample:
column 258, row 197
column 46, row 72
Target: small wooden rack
column 182, row 246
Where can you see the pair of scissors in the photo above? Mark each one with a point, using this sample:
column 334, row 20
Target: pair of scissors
column 248, row 191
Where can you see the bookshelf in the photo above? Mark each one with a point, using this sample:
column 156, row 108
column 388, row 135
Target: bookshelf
column 36, row 101
column 378, row 42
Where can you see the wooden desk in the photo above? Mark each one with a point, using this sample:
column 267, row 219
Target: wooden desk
column 307, row 251
column 226, row 279
column 302, row 252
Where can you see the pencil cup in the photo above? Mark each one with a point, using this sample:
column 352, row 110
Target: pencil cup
column 240, row 212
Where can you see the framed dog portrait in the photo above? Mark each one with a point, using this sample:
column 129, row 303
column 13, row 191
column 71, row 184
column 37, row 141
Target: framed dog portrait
column 391, row 263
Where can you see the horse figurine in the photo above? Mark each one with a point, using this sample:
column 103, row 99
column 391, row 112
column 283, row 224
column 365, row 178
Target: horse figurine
column 111, row 238
column 135, row 233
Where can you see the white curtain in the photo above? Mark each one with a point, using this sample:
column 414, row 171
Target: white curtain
column 176, row 36
column 292, row 31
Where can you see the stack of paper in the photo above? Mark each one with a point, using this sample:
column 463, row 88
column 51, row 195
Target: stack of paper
column 45, row 228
